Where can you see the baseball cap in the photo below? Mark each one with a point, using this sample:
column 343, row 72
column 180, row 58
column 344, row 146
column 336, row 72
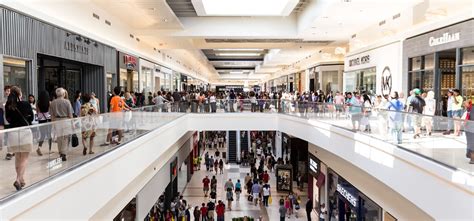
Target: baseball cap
column 417, row 91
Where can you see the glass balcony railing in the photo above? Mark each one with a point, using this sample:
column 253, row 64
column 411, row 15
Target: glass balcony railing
column 419, row 134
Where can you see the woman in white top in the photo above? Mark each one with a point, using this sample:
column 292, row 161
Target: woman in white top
column 429, row 110
column 212, row 101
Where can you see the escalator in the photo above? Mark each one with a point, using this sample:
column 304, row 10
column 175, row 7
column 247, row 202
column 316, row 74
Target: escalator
column 232, row 147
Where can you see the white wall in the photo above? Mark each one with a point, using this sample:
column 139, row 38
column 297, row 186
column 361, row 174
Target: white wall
column 150, row 193
column 389, row 55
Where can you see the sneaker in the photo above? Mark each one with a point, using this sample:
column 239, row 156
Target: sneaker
column 63, row 157
column 9, row 156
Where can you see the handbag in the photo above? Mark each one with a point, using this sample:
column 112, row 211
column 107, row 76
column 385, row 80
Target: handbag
column 74, row 140
column 270, row 200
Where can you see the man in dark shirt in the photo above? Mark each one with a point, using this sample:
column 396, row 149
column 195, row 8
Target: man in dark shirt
column 210, row 210
column 309, row 208
column 416, row 105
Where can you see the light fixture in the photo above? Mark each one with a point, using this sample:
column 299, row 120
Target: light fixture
column 236, row 72
column 239, row 54
column 238, row 49
column 165, row 20
column 244, row 7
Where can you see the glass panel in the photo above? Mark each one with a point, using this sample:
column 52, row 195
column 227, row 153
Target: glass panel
column 330, row 81
column 14, row 73
column 368, row 80
column 468, row 55
column 428, row 80
column 350, row 79
column 429, row 61
column 415, row 63
column 146, row 80
column 467, row 74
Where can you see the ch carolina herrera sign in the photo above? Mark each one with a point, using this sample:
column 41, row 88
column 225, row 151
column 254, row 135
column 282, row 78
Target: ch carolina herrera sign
column 444, row 39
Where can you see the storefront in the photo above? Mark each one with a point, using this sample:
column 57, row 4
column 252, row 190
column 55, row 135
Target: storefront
column 347, row 203
column 145, row 78
column 326, row 77
column 37, row 56
column 375, row 71
column 316, row 180
column 441, row 60
column 128, row 71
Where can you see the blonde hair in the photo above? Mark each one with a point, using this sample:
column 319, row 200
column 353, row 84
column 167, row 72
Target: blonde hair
column 60, row 92
column 430, row 95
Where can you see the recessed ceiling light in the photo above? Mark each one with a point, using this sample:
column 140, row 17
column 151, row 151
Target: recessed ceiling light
column 325, row 17
column 238, row 49
column 314, row 33
column 165, row 20
column 238, row 54
column 152, row 9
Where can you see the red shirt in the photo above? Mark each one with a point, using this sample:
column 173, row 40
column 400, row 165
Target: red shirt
column 204, row 210
column 220, row 209
column 206, row 182
column 266, row 177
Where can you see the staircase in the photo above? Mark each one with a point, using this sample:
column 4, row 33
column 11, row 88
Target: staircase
column 232, row 147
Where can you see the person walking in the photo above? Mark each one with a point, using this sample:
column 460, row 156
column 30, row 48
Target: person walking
column 77, row 104
column 238, row 190
column 210, row 210
column 42, row 110
column 457, row 107
column 221, row 166
column 60, row 110
column 214, row 184
column 203, row 212
column 88, row 112
column 429, row 110
column 322, row 212
column 395, row 117
column 256, row 192
column 220, row 210
column 205, row 185
column 230, row 198
column 282, row 211
column 19, row 114
column 449, row 111
column 416, row 105
column 355, row 110
column 266, row 194
column 469, row 130
column 309, row 208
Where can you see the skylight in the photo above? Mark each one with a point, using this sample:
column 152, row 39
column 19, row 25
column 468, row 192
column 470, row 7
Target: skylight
column 244, row 7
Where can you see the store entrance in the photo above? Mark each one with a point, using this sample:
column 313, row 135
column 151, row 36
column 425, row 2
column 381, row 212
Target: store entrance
column 55, row 72
column 447, row 70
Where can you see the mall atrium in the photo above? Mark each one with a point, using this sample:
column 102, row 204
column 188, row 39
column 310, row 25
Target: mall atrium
column 237, row 110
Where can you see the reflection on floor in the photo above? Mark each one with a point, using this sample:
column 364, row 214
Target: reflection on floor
column 195, row 196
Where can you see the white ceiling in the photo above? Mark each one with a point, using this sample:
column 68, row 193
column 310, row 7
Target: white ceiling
column 332, row 21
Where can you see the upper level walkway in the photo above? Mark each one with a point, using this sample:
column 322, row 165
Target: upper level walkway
column 414, row 169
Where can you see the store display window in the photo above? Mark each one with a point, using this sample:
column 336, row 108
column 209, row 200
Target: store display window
column 14, row 73
column 284, row 174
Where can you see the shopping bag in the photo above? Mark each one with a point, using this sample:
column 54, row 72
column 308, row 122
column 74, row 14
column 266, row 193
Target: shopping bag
column 270, row 200
column 364, row 121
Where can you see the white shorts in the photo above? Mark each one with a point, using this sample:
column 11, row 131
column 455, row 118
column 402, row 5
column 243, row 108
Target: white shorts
column 255, row 196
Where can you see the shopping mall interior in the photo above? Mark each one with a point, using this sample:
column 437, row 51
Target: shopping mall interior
column 265, row 110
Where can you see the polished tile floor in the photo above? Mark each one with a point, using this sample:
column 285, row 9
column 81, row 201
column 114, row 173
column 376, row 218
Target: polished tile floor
column 195, row 196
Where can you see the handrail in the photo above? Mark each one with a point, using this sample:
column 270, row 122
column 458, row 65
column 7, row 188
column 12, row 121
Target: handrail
column 138, row 121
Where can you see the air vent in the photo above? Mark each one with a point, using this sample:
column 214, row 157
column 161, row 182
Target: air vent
column 396, row 16
column 137, row 39
column 108, row 23
column 382, row 23
column 96, row 16
column 131, row 36
column 353, row 36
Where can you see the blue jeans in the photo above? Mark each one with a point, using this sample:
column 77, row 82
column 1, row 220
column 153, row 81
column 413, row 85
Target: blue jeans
column 396, row 131
column 450, row 122
column 220, row 218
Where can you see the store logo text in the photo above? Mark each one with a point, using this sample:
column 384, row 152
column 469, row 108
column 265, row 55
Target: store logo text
column 446, row 38
column 359, row 61
column 71, row 46
column 349, row 197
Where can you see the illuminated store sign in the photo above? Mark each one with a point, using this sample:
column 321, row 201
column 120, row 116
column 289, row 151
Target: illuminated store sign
column 313, row 166
column 445, row 38
column 349, row 197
